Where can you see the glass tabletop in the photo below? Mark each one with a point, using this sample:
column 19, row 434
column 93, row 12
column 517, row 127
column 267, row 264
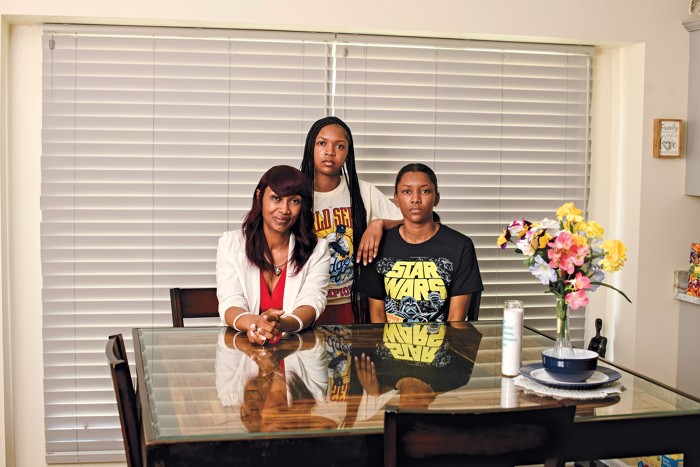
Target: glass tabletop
column 210, row 383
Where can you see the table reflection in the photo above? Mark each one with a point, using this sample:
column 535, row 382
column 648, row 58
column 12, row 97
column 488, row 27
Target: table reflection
column 207, row 394
column 275, row 387
column 337, row 376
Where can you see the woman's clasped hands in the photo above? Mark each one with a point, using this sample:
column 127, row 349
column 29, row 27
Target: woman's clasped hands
column 266, row 327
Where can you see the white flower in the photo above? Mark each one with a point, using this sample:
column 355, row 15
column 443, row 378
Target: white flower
column 525, row 245
column 549, row 224
column 543, row 271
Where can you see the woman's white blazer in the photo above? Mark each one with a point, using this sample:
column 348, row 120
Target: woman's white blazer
column 238, row 280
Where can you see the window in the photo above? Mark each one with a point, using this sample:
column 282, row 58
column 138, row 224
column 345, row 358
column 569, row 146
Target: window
column 154, row 139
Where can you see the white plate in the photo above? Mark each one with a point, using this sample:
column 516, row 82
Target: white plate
column 601, row 376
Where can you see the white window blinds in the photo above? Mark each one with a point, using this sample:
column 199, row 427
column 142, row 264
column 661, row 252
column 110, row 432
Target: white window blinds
column 504, row 126
column 154, row 139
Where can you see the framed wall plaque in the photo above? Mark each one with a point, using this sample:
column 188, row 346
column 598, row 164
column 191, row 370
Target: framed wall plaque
column 668, row 137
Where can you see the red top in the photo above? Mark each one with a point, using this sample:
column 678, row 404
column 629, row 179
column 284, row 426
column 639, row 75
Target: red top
column 276, row 300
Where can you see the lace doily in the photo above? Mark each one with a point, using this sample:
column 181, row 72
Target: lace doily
column 601, row 392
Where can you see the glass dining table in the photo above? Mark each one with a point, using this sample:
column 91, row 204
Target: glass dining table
column 208, row 397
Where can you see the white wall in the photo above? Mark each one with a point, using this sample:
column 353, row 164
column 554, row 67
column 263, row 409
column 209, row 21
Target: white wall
column 641, row 74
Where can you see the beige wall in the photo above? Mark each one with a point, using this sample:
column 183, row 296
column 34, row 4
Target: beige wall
column 641, row 74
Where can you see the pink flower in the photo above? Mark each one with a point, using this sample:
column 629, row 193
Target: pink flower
column 565, row 254
column 563, row 241
column 580, row 282
column 574, row 257
column 554, row 257
column 576, row 299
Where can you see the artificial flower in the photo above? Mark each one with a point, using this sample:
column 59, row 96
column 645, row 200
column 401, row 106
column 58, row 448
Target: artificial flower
column 525, row 245
column 569, row 255
column 568, row 213
column 519, row 228
column 580, row 282
column 562, row 242
column 543, row 271
column 579, row 240
column 615, row 255
column 540, row 240
column 577, row 299
column 503, row 239
column 592, row 229
column 547, row 224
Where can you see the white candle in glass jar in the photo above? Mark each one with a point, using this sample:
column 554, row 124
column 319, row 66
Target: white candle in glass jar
column 513, row 312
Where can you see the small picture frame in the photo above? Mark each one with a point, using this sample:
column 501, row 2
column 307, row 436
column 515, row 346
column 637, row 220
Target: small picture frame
column 668, row 137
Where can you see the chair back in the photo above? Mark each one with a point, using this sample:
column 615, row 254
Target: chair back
column 126, row 399
column 193, row 303
column 474, row 305
column 504, row 438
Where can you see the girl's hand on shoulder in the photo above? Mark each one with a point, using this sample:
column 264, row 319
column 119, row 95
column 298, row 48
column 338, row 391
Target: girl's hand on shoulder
column 369, row 243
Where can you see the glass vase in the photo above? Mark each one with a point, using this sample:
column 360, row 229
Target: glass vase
column 562, row 346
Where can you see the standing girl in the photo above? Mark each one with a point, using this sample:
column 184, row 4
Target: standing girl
column 343, row 205
column 425, row 271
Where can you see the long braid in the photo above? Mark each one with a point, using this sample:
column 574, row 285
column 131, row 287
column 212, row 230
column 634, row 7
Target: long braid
column 360, row 306
column 358, row 213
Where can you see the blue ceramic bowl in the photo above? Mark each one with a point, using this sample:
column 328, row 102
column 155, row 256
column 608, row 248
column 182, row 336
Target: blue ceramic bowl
column 570, row 370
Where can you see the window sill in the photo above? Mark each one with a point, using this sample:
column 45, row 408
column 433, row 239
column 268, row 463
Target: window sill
column 680, row 288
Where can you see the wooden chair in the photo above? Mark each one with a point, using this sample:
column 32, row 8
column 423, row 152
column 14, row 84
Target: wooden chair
column 126, row 399
column 474, row 305
column 480, row 439
column 193, row 303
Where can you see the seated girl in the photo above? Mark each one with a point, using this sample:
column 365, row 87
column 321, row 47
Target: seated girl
column 272, row 275
column 425, row 271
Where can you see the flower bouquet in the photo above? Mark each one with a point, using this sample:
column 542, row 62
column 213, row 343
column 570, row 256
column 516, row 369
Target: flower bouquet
column 568, row 255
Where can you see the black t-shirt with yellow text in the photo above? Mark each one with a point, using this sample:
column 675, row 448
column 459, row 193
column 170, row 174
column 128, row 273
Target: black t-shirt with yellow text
column 416, row 281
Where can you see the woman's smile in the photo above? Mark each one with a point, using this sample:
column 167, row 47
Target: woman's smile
column 282, row 220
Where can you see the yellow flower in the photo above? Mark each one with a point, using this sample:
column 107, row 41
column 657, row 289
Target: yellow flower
column 503, row 239
column 615, row 255
column 540, row 241
column 580, row 240
column 570, row 213
column 592, row 229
